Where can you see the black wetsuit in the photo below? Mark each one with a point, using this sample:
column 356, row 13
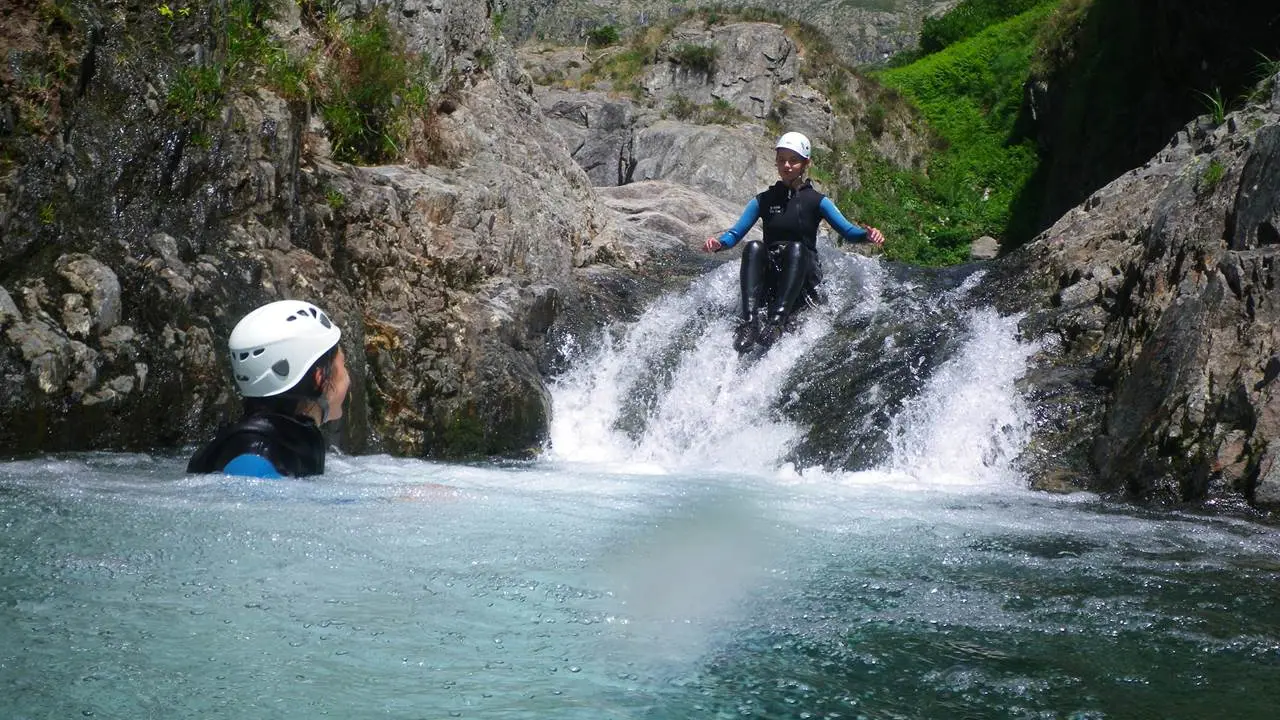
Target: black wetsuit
column 293, row 445
column 776, row 275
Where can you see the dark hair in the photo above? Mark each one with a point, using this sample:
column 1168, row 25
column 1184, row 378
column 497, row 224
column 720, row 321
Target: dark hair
column 286, row 403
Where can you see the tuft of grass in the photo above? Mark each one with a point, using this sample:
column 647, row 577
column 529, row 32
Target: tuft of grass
column 244, row 53
column 1213, row 103
column 1212, row 175
column 1264, row 77
column 1056, row 39
column 335, row 199
column 196, row 93
column 722, row 112
column 35, row 83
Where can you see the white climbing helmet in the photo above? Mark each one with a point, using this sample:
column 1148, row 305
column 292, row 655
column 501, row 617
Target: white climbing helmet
column 275, row 345
column 795, row 142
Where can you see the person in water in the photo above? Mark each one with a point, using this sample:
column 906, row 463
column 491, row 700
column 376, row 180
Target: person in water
column 786, row 262
column 292, row 375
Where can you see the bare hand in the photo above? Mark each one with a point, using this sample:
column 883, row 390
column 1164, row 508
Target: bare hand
column 712, row 245
column 874, row 236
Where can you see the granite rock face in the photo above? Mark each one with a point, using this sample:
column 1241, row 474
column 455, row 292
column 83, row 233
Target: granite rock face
column 1159, row 294
column 704, row 119
column 869, row 31
column 133, row 241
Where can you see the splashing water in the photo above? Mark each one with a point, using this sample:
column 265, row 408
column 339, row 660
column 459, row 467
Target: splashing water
column 662, row 561
column 671, row 393
column 970, row 423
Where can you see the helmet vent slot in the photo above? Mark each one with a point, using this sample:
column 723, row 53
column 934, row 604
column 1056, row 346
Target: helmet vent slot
column 259, row 351
column 281, row 368
column 244, row 356
column 291, row 318
column 324, row 320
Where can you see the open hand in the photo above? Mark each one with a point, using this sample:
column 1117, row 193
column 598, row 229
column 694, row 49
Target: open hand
column 712, row 245
column 874, row 236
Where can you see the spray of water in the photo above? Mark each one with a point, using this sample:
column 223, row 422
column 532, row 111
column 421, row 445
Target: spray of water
column 669, row 392
column 970, row 422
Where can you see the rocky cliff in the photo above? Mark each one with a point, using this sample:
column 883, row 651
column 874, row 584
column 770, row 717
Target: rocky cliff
column 869, row 31
column 1122, row 82
column 712, row 125
column 135, row 235
column 1159, row 291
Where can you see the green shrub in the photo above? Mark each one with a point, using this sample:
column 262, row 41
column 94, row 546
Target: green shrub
column 243, row 53
column 195, row 93
column 681, row 107
column 372, row 89
column 721, row 112
column 624, row 68
column 602, row 36
column 701, row 58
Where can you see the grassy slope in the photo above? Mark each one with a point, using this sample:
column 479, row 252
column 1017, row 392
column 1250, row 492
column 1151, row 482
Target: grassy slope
column 970, row 94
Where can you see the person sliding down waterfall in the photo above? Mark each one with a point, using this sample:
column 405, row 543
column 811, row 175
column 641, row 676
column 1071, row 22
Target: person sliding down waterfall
column 784, row 267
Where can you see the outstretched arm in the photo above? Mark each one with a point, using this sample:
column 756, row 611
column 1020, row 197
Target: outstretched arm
column 846, row 229
column 730, row 237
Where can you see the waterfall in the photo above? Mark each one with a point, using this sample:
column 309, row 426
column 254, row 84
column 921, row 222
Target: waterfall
column 937, row 378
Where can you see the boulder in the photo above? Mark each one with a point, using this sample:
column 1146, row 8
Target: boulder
column 1157, row 296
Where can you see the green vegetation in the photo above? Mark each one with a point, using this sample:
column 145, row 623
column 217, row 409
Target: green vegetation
column 196, row 93
column 970, row 95
column 700, row 58
column 335, row 199
column 681, row 107
column 718, row 112
column 1264, row 77
column 603, row 36
column 37, row 75
column 967, row 19
column 722, row 112
column 624, row 67
column 1213, row 175
column 244, row 53
column 372, row 89
column 1056, row 40
column 365, row 84
column 1214, row 104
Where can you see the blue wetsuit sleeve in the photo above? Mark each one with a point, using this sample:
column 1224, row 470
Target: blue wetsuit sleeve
column 248, row 465
column 750, row 214
column 836, row 220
